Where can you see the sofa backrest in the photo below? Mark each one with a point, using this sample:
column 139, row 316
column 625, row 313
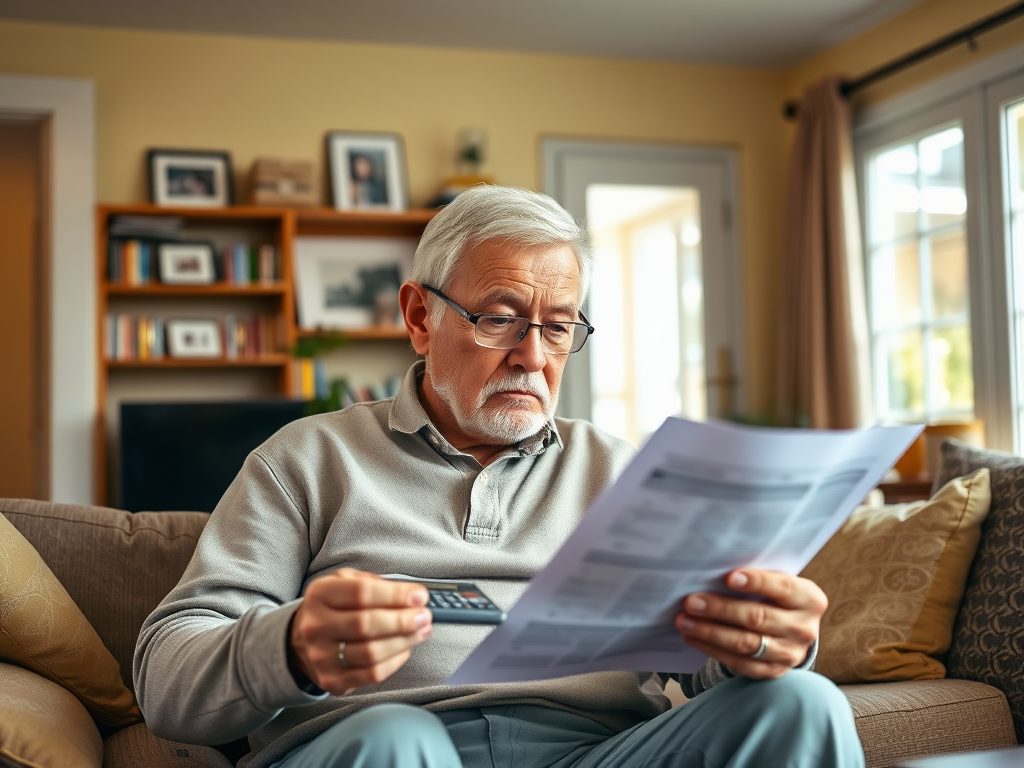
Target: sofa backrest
column 117, row 566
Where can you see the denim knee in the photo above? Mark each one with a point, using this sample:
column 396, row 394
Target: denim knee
column 800, row 694
column 401, row 720
column 382, row 736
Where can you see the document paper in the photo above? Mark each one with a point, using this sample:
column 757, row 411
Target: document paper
column 697, row 501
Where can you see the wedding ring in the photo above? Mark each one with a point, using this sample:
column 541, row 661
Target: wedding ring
column 341, row 655
column 764, row 647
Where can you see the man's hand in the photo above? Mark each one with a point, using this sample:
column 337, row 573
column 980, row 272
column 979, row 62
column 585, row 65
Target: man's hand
column 730, row 629
column 379, row 621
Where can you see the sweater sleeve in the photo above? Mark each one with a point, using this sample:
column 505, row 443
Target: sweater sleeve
column 713, row 672
column 210, row 664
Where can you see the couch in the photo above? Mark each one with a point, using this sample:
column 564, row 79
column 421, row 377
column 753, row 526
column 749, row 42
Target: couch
column 117, row 566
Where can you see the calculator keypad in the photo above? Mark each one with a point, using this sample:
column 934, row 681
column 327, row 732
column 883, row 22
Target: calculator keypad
column 443, row 598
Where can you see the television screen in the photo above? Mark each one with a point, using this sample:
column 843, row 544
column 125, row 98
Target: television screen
column 183, row 456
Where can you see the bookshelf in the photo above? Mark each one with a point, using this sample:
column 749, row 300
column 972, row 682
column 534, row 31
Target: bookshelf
column 135, row 363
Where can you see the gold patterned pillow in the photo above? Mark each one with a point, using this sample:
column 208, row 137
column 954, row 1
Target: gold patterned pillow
column 43, row 725
column 43, row 630
column 894, row 577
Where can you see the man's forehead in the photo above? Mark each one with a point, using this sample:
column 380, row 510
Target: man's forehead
column 505, row 270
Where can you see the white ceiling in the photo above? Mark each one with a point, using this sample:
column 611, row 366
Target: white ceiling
column 757, row 33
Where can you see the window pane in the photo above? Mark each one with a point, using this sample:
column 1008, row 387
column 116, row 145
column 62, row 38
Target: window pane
column 949, row 274
column 904, row 361
column 943, row 198
column 896, row 194
column 952, row 385
column 896, row 295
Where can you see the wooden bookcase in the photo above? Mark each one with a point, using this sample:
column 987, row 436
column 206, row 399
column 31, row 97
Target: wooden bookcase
column 269, row 374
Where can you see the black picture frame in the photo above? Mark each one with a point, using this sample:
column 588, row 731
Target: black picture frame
column 190, row 178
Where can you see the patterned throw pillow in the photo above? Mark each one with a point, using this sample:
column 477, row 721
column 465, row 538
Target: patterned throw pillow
column 41, row 629
column 43, row 725
column 894, row 577
column 988, row 640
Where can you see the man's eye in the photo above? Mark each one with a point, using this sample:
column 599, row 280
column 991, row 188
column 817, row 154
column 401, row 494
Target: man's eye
column 557, row 330
column 496, row 322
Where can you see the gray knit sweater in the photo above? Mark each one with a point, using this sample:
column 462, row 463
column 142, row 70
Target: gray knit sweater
column 376, row 488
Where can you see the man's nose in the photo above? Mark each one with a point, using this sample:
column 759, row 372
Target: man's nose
column 529, row 353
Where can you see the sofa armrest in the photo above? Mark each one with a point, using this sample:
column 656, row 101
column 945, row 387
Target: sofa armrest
column 898, row 721
column 44, row 725
column 136, row 747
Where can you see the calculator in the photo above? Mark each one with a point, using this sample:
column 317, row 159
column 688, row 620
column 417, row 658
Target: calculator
column 459, row 602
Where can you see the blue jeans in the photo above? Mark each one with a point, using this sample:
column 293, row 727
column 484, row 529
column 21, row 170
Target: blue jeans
column 798, row 721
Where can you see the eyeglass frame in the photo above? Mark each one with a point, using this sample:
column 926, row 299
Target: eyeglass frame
column 474, row 318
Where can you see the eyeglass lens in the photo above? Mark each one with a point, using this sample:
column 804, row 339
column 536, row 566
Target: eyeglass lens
column 503, row 332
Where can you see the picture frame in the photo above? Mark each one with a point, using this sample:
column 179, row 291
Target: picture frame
column 190, row 178
column 186, row 263
column 367, row 171
column 350, row 282
column 194, row 338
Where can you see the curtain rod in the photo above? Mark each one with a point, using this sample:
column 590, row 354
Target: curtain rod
column 848, row 87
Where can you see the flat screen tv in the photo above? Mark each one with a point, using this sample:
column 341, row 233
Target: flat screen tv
column 183, row 456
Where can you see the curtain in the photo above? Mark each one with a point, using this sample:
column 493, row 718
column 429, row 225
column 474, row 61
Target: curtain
column 823, row 363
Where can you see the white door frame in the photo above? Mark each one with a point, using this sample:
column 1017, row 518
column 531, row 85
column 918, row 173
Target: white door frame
column 723, row 283
column 68, row 106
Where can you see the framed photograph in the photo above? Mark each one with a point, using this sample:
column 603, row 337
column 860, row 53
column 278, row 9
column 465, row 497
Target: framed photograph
column 350, row 282
column 367, row 170
column 194, row 338
column 186, row 263
column 190, row 178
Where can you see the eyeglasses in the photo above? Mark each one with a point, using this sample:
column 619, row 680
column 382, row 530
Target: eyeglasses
column 506, row 331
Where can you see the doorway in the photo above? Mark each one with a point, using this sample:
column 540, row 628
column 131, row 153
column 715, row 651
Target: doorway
column 665, row 292
column 24, row 310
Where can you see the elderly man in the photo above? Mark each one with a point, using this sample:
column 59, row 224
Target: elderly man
column 282, row 629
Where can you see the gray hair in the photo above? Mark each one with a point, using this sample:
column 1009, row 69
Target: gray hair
column 506, row 214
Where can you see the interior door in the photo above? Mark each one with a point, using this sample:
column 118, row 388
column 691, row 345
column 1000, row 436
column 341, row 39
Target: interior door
column 23, row 349
column 665, row 294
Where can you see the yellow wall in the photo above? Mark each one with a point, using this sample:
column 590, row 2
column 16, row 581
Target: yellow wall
column 272, row 97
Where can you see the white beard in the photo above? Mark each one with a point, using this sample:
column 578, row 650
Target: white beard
column 504, row 424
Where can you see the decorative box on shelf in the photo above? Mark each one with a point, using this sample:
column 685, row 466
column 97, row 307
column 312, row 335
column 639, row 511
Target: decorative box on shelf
column 282, row 182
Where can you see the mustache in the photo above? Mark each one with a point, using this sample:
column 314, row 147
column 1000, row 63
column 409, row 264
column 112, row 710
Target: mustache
column 535, row 385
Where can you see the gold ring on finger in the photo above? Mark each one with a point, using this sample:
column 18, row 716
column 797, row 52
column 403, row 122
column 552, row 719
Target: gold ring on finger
column 341, row 655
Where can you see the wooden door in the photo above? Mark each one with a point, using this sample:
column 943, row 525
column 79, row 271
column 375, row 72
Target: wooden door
column 24, row 348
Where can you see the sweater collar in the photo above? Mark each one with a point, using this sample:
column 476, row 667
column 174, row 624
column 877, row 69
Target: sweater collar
column 407, row 415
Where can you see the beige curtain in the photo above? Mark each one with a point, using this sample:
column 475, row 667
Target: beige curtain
column 823, row 350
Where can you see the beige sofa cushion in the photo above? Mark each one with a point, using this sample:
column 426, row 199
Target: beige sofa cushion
column 117, row 566
column 136, row 746
column 42, row 725
column 894, row 577
column 898, row 721
column 43, row 630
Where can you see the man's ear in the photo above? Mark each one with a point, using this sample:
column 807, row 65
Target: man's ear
column 413, row 300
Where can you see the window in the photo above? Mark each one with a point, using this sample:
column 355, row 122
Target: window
column 942, row 193
column 917, row 270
